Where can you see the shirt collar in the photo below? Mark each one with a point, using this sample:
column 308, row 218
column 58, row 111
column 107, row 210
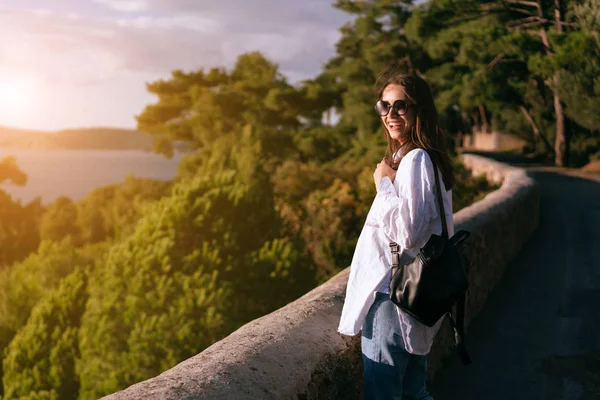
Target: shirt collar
column 400, row 153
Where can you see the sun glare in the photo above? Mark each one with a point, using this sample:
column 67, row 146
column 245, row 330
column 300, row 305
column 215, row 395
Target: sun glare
column 15, row 95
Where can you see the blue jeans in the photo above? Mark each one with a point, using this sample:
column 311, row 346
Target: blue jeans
column 390, row 372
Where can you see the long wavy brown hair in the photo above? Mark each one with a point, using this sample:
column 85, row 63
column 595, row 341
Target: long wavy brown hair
column 425, row 132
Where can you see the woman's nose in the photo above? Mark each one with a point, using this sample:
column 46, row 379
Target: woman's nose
column 394, row 111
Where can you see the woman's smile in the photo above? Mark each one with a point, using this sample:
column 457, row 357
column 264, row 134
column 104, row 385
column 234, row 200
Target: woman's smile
column 395, row 126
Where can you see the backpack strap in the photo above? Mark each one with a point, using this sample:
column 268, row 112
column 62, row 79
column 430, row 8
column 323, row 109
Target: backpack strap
column 440, row 200
column 457, row 327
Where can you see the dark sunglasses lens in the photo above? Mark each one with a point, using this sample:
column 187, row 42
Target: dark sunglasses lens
column 382, row 107
column 401, row 107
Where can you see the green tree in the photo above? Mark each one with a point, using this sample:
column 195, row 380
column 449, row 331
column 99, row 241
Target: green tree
column 166, row 292
column 60, row 221
column 513, row 64
column 19, row 228
column 200, row 107
column 25, row 283
column 40, row 360
column 321, row 143
column 19, row 224
column 111, row 212
column 548, row 22
column 479, row 70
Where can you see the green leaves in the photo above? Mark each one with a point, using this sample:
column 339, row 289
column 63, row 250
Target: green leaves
column 25, row 287
column 60, row 221
column 40, row 360
column 199, row 263
column 200, row 107
column 157, row 300
column 492, row 60
column 19, row 224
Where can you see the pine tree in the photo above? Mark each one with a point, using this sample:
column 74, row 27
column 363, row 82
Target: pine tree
column 40, row 360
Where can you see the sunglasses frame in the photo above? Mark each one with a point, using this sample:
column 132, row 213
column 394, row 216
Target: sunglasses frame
column 393, row 107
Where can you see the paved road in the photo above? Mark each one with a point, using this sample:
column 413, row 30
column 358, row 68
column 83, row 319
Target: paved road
column 539, row 334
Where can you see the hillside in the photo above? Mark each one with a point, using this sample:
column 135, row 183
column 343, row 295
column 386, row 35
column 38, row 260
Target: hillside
column 82, row 138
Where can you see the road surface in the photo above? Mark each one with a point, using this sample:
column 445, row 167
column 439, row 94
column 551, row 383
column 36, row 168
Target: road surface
column 538, row 336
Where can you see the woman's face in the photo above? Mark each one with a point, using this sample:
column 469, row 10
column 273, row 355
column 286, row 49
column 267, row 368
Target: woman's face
column 398, row 125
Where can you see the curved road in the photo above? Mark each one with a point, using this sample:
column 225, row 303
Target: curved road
column 538, row 336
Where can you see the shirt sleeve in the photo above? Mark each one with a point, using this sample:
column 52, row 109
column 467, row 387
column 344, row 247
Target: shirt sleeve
column 405, row 217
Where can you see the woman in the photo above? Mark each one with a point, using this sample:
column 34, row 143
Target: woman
column 394, row 344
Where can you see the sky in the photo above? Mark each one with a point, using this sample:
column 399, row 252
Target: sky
column 82, row 63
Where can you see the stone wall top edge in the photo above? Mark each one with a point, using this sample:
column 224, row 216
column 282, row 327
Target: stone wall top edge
column 515, row 181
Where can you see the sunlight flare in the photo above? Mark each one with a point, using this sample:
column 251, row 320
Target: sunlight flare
column 16, row 94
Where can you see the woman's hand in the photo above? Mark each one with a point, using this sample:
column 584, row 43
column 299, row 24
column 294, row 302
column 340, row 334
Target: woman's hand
column 383, row 169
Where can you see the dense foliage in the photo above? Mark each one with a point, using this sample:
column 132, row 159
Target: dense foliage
column 98, row 294
column 19, row 224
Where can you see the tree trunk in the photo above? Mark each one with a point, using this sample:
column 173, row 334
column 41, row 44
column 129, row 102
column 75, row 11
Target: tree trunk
column 536, row 130
column 485, row 125
column 560, row 142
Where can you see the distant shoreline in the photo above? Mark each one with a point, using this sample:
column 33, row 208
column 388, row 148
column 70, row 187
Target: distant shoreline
column 16, row 147
column 76, row 172
column 100, row 138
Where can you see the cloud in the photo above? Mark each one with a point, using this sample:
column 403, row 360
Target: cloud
column 125, row 5
column 81, row 47
column 182, row 22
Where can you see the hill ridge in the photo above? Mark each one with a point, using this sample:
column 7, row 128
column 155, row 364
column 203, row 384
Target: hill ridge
column 76, row 138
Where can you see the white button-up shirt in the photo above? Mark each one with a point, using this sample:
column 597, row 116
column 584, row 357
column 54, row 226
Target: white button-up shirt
column 405, row 212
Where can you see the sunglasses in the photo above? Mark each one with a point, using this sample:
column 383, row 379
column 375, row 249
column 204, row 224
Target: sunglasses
column 400, row 106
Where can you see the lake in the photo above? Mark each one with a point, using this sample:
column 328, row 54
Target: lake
column 74, row 173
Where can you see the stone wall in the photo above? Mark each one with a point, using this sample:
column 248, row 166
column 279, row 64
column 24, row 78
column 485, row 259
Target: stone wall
column 492, row 141
column 296, row 352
